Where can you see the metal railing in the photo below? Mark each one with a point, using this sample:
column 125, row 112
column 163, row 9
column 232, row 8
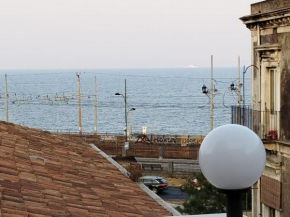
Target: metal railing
column 242, row 115
column 266, row 124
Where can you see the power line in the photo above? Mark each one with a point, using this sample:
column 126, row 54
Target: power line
column 124, row 75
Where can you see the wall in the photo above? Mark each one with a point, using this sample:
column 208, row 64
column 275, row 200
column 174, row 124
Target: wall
column 151, row 151
column 273, row 34
column 277, row 36
column 155, row 150
column 269, row 23
column 284, row 39
column 286, row 187
column 270, row 5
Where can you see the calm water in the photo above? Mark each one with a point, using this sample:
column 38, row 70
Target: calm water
column 167, row 101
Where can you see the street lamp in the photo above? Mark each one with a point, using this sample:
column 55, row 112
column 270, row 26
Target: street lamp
column 244, row 72
column 125, row 106
column 232, row 157
column 204, row 89
column 232, row 87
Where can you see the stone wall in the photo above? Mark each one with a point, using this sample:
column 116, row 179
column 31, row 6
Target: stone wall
column 155, row 150
column 151, row 151
column 284, row 39
column 270, row 5
column 286, row 187
column 269, row 23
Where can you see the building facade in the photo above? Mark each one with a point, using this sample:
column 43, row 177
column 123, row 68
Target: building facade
column 269, row 24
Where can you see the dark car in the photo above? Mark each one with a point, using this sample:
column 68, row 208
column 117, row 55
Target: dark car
column 155, row 183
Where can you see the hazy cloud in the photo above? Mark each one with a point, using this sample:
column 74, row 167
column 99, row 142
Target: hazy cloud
column 122, row 33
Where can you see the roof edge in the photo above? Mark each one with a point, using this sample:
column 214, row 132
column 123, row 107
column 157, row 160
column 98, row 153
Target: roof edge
column 118, row 166
column 267, row 14
column 158, row 199
column 154, row 196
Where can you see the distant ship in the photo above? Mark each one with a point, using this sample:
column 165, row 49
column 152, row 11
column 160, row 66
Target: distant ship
column 190, row 66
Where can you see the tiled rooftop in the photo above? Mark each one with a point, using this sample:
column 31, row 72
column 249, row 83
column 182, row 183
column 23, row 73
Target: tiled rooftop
column 43, row 174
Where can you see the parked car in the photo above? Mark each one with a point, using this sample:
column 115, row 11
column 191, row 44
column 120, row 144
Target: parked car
column 155, row 183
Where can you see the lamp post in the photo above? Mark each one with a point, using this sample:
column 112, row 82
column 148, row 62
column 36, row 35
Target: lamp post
column 236, row 89
column 244, row 101
column 232, row 158
column 205, row 91
column 125, row 106
column 244, row 72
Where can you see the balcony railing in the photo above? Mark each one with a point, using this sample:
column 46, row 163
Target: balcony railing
column 265, row 123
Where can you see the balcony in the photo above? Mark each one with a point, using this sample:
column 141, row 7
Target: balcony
column 266, row 124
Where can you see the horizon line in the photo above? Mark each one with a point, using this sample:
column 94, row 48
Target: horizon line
column 77, row 69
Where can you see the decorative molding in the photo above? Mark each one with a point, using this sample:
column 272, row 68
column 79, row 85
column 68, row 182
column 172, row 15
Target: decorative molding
column 268, row 47
column 271, row 23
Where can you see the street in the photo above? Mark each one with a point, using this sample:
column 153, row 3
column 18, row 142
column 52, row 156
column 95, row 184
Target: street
column 173, row 194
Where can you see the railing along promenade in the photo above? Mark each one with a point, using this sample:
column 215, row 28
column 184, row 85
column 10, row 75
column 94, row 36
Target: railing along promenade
column 153, row 146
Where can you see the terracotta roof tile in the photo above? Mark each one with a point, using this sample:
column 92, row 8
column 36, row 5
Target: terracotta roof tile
column 60, row 213
column 5, row 162
column 98, row 215
column 12, row 205
column 9, row 186
column 44, row 174
column 12, row 198
column 78, row 212
column 13, row 212
column 34, row 208
column 55, row 205
column 54, row 199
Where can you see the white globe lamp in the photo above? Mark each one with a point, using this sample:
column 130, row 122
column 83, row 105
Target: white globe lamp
column 232, row 158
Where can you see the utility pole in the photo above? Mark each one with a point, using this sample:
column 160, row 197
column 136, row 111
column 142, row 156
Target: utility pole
column 126, row 122
column 95, row 105
column 6, row 99
column 211, row 95
column 79, row 104
column 126, row 146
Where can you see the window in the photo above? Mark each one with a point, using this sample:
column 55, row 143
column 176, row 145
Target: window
column 272, row 91
column 146, row 181
column 272, row 212
column 162, row 181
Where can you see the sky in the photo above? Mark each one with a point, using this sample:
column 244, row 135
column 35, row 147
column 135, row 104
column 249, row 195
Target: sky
column 89, row 34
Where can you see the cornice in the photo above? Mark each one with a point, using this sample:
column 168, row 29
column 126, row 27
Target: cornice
column 269, row 22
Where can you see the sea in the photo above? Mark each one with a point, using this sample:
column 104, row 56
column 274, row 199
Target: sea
column 167, row 101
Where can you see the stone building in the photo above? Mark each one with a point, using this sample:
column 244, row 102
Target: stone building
column 269, row 24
